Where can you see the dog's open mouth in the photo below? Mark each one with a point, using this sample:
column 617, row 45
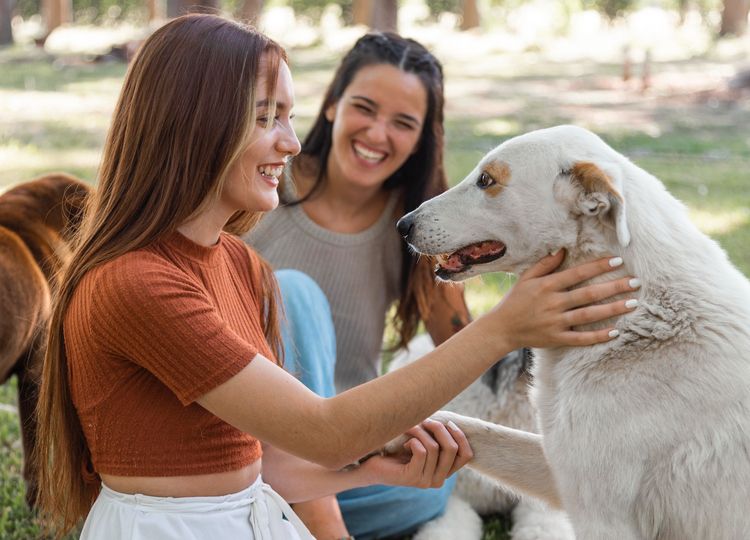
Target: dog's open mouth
column 458, row 261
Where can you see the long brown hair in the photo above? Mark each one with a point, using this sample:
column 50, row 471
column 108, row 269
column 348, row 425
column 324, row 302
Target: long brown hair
column 185, row 113
column 422, row 175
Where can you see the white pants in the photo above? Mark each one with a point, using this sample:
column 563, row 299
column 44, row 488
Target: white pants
column 255, row 513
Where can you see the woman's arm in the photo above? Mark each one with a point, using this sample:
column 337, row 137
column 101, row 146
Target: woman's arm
column 264, row 400
column 432, row 453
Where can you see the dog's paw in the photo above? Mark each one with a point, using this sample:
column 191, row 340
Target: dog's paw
column 448, row 416
column 395, row 447
column 540, row 533
column 458, row 522
column 534, row 520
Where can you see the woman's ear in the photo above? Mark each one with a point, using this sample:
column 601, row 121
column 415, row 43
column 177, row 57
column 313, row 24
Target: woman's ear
column 331, row 112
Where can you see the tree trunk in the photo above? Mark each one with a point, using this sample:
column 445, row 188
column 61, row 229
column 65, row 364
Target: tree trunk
column 153, row 10
column 6, row 32
column 470, row 14
column 175, row 8
column 56, row 12
column 385, row 16
column 251, row 10
column 362, row 12
column 734, row 17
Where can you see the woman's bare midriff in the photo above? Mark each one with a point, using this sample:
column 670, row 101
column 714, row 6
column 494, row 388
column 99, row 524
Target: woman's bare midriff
column 202, row 485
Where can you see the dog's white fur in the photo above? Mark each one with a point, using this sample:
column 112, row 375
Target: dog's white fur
column 648, row 435
column 475, row 493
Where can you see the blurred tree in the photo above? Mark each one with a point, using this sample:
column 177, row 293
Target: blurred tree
column 361, row 11
column 610, row 8
column 469, row 14
column 175, row 8
column 251, row 10
column 6, row 32
column 56, row 12
column 384, row 16
column 734, row 17
column 153, row 10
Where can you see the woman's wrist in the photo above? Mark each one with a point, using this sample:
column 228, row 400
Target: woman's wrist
column 492, row 332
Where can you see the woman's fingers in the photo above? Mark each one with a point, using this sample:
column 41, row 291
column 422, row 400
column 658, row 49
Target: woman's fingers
column 432, row 449
column 583, row 272
column 416, row 465
column 581, row 339
column 447, row 453
column 590, row 314
column 544, row 266
column 598, row 292
column 465, row 453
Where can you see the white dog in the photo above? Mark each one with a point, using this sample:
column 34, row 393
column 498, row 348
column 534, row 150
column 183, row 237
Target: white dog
column 648, row 435
column 501, row 396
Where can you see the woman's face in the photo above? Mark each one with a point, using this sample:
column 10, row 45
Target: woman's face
column 377, row 124
column 253, row 178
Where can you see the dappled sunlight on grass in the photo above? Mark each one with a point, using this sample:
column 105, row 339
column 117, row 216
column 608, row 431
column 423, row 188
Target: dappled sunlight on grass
column 722, row 222
column 497, row 127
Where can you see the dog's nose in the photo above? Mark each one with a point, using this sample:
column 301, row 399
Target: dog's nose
column 405, row 225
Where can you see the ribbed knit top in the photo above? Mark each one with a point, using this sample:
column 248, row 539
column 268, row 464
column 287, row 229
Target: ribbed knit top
column 359, row 273
column 148, row 333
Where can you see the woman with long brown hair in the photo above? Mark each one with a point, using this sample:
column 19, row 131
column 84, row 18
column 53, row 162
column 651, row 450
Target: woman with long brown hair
column 162, row 370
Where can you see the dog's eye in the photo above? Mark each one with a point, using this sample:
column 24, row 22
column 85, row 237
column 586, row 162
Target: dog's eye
column 484, row 181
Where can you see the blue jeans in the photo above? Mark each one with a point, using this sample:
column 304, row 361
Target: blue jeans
column 310, row 354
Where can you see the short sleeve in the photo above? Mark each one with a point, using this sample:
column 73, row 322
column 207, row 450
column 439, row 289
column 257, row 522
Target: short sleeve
column 164, row 321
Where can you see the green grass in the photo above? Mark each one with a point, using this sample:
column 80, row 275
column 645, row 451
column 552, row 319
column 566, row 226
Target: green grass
column 54, row 116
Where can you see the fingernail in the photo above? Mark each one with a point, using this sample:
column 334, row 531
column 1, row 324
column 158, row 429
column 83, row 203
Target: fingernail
column 634, row 283
column 452, row 425
column 558, row 250
column 630, row 304
column 615, row 261
column 614, row 333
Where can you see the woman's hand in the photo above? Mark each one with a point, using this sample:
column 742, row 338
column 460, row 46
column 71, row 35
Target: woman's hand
column 541, row 311
column 432, row 454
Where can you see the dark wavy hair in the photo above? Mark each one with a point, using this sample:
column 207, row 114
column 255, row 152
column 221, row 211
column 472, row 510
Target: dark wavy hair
column 421, row 177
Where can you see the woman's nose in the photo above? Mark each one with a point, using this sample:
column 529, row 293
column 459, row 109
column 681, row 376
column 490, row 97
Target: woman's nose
column 378, row 131
column 289, row 143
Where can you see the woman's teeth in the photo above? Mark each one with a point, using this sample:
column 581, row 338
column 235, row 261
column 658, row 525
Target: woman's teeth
column 369, row 155
column 268, row 170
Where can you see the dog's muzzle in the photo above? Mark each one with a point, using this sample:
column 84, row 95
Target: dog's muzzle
column 405, row 225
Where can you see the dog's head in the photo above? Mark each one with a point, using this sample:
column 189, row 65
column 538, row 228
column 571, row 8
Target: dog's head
column 533, row 194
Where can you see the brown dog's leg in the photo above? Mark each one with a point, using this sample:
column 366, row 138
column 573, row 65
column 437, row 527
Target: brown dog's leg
column 28, row 393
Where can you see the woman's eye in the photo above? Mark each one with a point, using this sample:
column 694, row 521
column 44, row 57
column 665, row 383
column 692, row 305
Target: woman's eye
column 484, row 181
column 404, row 125
column 363, row 108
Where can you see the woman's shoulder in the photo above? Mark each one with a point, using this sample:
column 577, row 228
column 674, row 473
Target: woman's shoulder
column 130, row 273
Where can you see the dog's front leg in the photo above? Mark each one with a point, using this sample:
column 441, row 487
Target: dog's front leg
column 513, row 457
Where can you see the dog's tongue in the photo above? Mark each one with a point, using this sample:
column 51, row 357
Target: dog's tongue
column 481, row 251
column 477, row 251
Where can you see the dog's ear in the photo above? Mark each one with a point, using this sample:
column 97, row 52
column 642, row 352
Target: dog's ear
column 601, row 195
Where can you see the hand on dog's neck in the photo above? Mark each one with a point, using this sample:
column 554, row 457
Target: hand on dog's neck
column 589, row 248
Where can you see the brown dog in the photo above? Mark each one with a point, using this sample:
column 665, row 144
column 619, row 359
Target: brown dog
column 37, row 222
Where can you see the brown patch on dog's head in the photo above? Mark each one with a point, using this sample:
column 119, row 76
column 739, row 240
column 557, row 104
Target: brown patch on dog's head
column 500, row 173
column 593, row 179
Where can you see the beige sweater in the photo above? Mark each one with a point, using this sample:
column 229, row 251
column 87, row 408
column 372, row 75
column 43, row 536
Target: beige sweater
column 359, row 273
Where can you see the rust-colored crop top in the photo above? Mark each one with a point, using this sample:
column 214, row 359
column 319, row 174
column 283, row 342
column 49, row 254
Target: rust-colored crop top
column 148, row 333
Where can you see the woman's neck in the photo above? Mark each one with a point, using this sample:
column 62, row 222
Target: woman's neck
column 205, row 228
column 341, row 207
